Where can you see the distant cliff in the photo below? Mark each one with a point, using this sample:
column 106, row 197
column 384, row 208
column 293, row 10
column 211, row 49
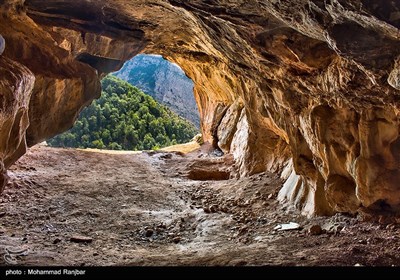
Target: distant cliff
column 164, row 81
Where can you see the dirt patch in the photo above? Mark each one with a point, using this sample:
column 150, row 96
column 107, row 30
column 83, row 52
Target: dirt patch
column 70, row 207
column 210, row 169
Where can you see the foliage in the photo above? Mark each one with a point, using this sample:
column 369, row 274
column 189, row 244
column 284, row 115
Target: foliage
column 125, row 118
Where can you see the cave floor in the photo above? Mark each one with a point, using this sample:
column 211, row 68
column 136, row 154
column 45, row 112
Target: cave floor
column 74, row 207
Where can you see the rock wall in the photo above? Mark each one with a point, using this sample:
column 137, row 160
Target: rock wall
column 309, row 88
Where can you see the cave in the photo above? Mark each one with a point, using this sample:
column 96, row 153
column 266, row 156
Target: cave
column 307, row 90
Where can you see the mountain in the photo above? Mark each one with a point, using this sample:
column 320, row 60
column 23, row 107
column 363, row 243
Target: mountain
column 125, row 118
column 164, row 81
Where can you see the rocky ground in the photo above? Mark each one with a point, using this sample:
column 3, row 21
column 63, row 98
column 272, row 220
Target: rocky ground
column 74, row 207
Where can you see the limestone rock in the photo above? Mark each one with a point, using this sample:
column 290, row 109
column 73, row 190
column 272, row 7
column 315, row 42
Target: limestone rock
column 16, row 83
column 239, row 142
column 394, row 76
column 228, row 125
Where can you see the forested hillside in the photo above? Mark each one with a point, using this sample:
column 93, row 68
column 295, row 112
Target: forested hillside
column 124, row 118
column 164, row 81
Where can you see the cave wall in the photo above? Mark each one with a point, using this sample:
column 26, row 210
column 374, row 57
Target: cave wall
column 307, row 88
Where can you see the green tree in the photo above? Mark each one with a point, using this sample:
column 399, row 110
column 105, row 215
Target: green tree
column 98, row 144
column 148, row 142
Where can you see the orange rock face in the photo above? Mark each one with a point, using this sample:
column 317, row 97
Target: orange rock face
column 310, row 88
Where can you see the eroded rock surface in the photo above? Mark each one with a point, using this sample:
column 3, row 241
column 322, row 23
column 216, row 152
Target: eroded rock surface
column 318, row 82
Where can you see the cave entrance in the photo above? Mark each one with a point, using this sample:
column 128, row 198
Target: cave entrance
column 147, row 105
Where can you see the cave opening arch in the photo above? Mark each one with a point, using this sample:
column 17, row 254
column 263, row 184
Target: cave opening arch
column 154, row 108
